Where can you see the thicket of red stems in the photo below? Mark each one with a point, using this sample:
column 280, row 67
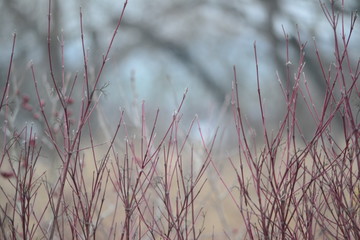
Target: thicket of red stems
column 136, row 188
column 292, row 185
column 303, row 186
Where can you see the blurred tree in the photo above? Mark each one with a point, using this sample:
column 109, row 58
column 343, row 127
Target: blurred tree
column 193, row 43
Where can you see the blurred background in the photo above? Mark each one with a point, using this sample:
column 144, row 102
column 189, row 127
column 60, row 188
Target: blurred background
column 164, row 47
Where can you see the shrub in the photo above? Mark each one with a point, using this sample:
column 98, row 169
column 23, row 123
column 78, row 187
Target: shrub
column 298, row 187
column 145, row 185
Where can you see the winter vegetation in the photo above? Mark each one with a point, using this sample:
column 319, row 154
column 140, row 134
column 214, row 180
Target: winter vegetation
column 83, row 156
